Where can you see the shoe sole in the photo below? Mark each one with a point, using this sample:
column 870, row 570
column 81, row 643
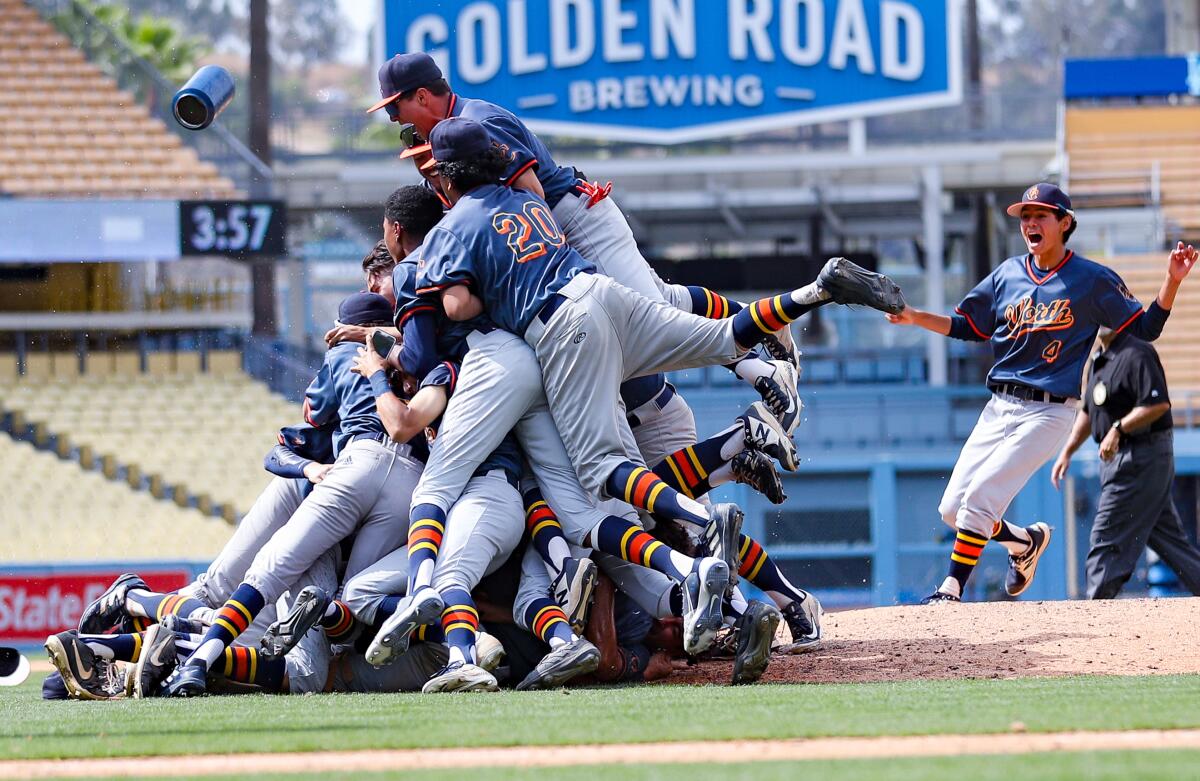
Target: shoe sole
column 585, row 660
column 396, row 639
column 755, row 665
column 712, row 590
column 139, row 671
column 129, row 578
column 787, row 457
column 846, row 279
column 799, row 647
column 732, row 529
column 1047, row 531
column 760, row 476
column 473, row 684
column 581, row 593
column 58, row 657
column 283, row 636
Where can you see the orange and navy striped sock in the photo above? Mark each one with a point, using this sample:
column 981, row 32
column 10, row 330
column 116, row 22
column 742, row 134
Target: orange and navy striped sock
column 338, row 621
column 159, row 606
column 119, row 648
column 764, row 317
column 761, row 570
column 545, row 531
column 619, row 537
column 141, row 624
column 547, row 620
column 1014, row 538
column 247, row 665
column 967, row 548
column 460, row 623
column 713, row 306
column 645, row 490
column 426, row 527
column 690, row 470
column 230, row 620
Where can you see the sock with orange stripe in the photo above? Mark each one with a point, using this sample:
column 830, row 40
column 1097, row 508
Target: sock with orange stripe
column 460, row 623
column 230, row 620
column 545, row 531
column 967, row 548
column 1014, row 538
column 696, row 470
column 426, row 527
column 645, row 490
column 713, row 306
column 761, row 570
column 627, row 540
column 767, row 315
column 156, row 607
column 247, row 665
column 118, row 648
column 338, row 621
column 548, row 621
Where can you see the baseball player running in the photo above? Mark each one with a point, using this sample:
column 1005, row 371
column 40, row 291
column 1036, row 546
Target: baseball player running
column 1041, row 312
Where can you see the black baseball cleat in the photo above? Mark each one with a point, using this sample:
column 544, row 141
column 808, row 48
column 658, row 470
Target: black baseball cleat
column 722, row 535
column 940, row 598
column 754, row 629
column 561, row 665
column 283, row 635
column 1021, row 568
column 187, row 680
column 387, row 347
column 803, row 617
column 574, row 589
column 780, row 395
column 86, row 676
column 849, row 283
column 155, row 662
column 753, row 468
column 109, row 608
column 765, row 433
column 783, row 350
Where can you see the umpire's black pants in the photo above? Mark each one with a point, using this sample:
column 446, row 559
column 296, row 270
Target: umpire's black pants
column 1136, row 510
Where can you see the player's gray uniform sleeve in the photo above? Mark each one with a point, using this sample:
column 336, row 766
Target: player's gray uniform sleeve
column 387, row 577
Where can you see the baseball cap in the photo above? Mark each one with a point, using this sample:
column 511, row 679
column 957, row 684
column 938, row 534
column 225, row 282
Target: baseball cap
column 403, row 73
column 14, row 668
column 364, row 308
column 457, row 138
column 1043, row 194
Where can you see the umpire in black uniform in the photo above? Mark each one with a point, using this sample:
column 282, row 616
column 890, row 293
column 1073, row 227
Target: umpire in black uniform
column 1127, row 410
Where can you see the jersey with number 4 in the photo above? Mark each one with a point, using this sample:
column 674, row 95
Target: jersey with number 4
column 1042, row 323
column 504, row 245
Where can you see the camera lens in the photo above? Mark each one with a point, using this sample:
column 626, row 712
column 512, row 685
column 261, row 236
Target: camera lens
column 191, row 112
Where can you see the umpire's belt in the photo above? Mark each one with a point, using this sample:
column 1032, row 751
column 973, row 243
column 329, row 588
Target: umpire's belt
column 1026, row 393
column 649, row 411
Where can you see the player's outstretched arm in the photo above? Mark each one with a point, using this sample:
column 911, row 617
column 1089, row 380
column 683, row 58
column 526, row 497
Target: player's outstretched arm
column 939, row 324
column 1079, row 433
column 354, row 333
column 1179, row 265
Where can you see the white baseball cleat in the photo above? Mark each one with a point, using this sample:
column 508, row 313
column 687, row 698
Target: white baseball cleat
column 489, row 651
column 461, row 677
column 703, row 591
column 423, row 607
column 765, row 434
column 779, row 393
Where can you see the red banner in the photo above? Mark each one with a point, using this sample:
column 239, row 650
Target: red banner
column 37, row 603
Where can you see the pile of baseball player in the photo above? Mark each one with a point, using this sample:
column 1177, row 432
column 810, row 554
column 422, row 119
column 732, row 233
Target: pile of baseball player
column 494, row 484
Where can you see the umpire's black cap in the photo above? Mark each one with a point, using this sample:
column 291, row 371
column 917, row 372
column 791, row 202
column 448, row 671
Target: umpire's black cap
column 1043, row 194
column 458, row 138
column 364, row 308
column 404, row 73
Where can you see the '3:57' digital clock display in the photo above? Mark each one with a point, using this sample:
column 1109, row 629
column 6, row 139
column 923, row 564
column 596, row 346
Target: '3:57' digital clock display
column 232, row 228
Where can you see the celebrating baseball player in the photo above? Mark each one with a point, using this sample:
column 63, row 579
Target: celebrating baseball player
column 1041, row 312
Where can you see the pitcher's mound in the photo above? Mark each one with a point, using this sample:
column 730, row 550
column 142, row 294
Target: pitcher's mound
column 991, row 640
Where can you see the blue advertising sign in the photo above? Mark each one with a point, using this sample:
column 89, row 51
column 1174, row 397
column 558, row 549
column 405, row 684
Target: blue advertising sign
column 669, row 71
column 1131, row 77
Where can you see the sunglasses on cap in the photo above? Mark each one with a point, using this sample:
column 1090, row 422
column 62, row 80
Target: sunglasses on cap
column 410, row 136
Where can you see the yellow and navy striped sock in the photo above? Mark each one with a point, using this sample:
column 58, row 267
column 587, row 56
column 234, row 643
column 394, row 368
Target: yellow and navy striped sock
column 460, row 623
column 425, row 531
column 246, row 665
column 120, row 648
column 761, row 570
column 545, row 530
column 159, row 606
column 625, row 539
column 967, row 548
column 689, row 470
column 713, row 306
column 338, row 621
column 638, row 486
column 764, row 317
column 547, row 620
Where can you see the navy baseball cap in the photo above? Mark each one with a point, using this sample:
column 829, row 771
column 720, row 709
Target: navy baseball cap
column 364, row 308
column 457, row 138
column 1043, row 194
column 14, row 667
column 404, row 73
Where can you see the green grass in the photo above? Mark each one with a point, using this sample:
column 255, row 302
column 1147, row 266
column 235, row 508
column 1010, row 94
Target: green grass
column 31, row 728
column 1092, row 766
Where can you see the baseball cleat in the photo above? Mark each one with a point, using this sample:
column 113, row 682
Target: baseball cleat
column 423, row 607
column 753, row 468
column 189, row 679
column 156, row 661
column 755, row 629
column 461, row 677
column 86, row 676
column 561, row 665
column 489, row 651
column 722, row 536
column 803, row 617
column 849, row 283
column 940, row 598
column 109, row 608
column 283, row 635
column 574, row 589
column 186, row 626
column 703, row 591
column 1021, row 568
column 387, row 347
column 764, row 433
column 780, row 395
column 782, row 347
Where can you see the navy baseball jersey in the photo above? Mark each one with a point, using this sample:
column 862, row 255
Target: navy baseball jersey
column 504, row 244
column 507, row 455
column 450, row 337
column 1042, row 323
column 339, row 395
column 638, row 391
column 523, row 148
column 298, row 447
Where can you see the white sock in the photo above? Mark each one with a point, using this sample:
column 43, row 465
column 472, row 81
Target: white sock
column 208, row 653
column 559, row 552
column 557, row 642
column 812, row 293
column 693, row 506
column 950, row 586
column 736, row 442
column 751, row 367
